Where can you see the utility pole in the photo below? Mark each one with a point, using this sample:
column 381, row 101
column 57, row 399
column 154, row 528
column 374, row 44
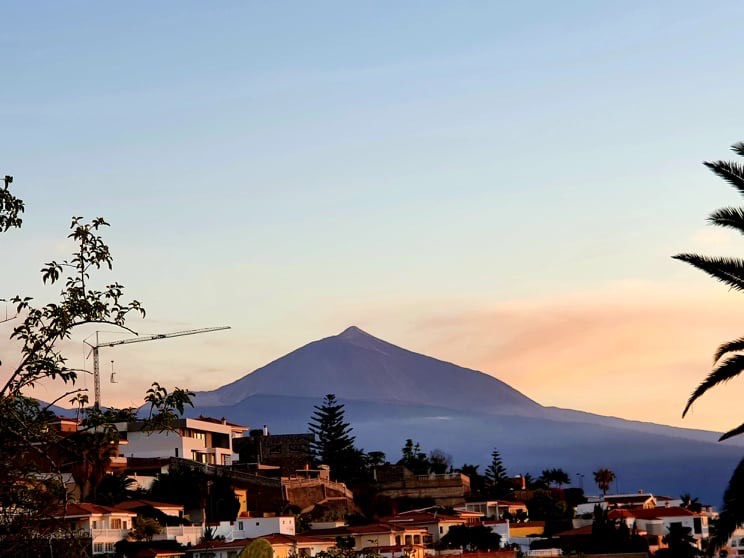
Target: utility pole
column 94, row 348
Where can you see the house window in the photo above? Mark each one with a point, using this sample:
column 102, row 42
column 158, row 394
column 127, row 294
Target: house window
column 97, row 548
column 95, row 525
column 416, row 539
column 441, row 530
column 698, row 525
column 176, row 452
column 397, row 540
column 115, row 523
column 240, row 525
column 408, row 540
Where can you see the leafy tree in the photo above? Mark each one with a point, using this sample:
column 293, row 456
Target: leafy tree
column 604, row 478
column 478, row 537
column 259, row 548
column 440, row 462
column 729, row 271
column 546, row 506
column 680, row 543
column 11, row 207
column 477, row 481
column 414, row 458
column 612, row 536
column 498, row 483
column 376, row 458
column 32, row 490
column 145, row 528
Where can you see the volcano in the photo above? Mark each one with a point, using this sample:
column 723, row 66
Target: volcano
column 392, row 394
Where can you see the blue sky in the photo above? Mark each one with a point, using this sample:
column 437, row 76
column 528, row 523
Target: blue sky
column 292, row 168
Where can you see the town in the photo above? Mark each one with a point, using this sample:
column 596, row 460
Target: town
column 209, row 488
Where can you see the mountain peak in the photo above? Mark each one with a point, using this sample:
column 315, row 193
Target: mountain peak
column 353, row 332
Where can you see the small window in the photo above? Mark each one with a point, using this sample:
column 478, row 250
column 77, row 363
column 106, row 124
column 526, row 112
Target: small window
column 240, row 525
column 176, row 452
column 441, row 529
column 257, row 524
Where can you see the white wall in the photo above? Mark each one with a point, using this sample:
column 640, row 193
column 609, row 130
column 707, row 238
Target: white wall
column 252, row 527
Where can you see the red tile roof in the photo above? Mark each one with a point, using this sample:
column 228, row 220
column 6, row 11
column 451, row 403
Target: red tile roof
column 135, row 504
column 421, row 517
column 85, row 509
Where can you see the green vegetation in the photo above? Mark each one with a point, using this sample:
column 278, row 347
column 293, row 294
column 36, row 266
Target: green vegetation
column 260, row 548
column 478, row 537
column 32, row 490
column 604, row 478
column 334, row 444
column 498, row 483
column 730, row 271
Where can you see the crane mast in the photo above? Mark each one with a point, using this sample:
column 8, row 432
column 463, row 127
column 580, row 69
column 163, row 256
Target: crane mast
column 95, row 347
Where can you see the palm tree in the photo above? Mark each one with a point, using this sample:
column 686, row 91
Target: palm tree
column 690, row 502
column 604, row 477
column 729, row 271
column 555, row 476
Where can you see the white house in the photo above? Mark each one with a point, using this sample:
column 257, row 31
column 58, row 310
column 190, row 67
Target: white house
column 658, row 521
column 437, row 525
column 282, row 545
column 494, row 508
column 254, row 527
column 204, row 440
column 105, row 525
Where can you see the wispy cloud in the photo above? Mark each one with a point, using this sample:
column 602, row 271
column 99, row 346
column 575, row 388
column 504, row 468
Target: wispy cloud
column 634, row 350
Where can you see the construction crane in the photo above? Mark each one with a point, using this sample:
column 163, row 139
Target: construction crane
column 94, row 348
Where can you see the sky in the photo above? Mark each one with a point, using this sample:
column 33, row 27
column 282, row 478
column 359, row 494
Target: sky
column 501, row 185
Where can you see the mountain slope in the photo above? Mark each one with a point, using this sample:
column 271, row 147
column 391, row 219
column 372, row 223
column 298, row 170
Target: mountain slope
column 356, row 365
column 392, row 394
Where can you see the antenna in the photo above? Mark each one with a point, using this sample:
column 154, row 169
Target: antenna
column 6, row 319
column 94, row 349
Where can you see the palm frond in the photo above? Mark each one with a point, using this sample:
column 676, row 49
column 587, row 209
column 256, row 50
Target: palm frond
column 738, row 148
column 731, row 433
column 729, row 369
column 731, row 217
column 727, row 270
column 731, row 172
column 732, row 512
column 730, row 347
